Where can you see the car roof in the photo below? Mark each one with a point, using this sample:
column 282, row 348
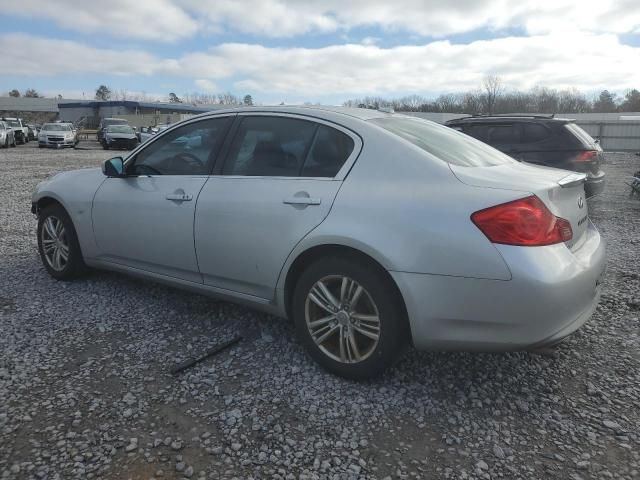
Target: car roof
column 509, row 118
column 320, row 111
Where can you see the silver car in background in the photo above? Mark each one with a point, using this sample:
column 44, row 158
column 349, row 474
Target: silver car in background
column 370, row 230
column 7, row 137
column 56, row 135
column 147, row 133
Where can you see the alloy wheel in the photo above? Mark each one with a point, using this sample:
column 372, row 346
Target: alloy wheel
column 342, row 319
column 55, row 243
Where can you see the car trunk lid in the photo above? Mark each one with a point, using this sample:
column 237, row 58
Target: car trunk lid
column 562, row 191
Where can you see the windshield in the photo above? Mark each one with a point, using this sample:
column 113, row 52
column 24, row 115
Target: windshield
column 13, row 123
column 443, row 142
column 56, row 127
column 106, row 123
column 120, row 129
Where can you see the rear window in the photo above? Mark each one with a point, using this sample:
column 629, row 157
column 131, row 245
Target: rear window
column 444, row 143
column 583, row 136
column 534, row 132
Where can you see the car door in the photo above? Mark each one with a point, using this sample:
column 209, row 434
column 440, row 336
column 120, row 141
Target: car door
column 278, row 182
column 145, row 219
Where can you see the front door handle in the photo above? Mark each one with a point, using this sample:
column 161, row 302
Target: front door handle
column 301, row 201
column 179, row 197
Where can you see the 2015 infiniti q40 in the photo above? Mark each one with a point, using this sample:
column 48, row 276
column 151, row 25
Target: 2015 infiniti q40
column 370, row 230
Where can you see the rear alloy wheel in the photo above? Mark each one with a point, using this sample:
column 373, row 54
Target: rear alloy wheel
column 349, row 317
column 58, row 244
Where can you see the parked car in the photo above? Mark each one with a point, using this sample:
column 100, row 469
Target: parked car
column 56, row 135
column 74, row 130
column 542, row 140
column 148, row 132
column 369, row 229
column 121, row 137
column 106, row 122
column 20, row 130
column 7, row 137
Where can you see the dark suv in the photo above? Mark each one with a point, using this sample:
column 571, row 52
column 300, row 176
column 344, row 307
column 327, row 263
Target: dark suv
column 543, row 140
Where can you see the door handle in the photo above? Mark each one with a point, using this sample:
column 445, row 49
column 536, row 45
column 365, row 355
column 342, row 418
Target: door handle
column 301, row 201
column 179, row 197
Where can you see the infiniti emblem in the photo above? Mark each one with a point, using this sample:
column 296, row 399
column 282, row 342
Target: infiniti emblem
column 580, row 202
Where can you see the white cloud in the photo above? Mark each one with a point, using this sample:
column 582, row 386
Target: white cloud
column 162, row 20
column 283, row 18
column 171, row 20
column 206, row 85
column 572, row 59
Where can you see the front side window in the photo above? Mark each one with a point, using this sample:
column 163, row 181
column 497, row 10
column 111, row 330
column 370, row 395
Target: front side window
column 186, row 150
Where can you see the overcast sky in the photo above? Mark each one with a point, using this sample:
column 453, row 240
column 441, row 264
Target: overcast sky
column 316, row 50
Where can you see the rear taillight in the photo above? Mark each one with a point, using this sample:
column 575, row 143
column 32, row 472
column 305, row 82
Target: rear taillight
column 586, row 156
column 526, row 222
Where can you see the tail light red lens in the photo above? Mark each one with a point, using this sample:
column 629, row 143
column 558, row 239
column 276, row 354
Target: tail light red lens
column 526, row 222
column 586, row 156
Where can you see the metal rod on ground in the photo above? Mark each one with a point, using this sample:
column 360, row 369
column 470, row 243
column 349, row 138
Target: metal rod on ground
column 217, row 349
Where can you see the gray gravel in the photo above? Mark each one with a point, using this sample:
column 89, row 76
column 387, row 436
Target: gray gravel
column 85, row 390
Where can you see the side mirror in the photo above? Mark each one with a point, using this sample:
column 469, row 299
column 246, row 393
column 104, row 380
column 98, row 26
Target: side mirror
column 114, row 167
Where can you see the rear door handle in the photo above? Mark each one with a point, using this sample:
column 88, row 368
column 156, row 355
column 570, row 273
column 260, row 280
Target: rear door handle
column 302, row 201
column 179, row 197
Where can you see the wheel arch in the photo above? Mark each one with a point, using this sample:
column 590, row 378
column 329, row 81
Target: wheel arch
column 311, row 254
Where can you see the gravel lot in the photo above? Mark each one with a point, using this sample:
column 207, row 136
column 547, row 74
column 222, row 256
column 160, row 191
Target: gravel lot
column 85, row 388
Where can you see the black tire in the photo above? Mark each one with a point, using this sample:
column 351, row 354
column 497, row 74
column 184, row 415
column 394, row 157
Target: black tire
column 40, row 146
column 393, row 326
column 74, row 267
column 6, row 142
column 105, row 146
column 13, row 145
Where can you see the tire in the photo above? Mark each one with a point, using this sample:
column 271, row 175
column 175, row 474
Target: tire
column 6, row 142
column 14, row 143
column 105, row 146
column 377, row 300
column 74, row 266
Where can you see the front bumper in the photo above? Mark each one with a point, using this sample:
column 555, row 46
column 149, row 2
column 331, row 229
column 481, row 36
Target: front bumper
column 553, row 291
column 57, row 144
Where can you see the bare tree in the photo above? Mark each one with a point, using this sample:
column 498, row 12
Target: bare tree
column 14, row 93
column 31, row 93
column 492, row 89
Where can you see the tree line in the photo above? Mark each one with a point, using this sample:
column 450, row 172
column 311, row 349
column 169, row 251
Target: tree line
column 494, row 98
column 103, row 92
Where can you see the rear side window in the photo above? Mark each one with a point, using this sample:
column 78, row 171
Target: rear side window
column 503, row 134
column 444, row 143
column 583, row 136
column 480, row 132
column 330, row 150
column 534, row 132
column 267, row 146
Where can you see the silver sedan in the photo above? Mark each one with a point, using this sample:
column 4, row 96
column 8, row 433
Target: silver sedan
column 370, row 230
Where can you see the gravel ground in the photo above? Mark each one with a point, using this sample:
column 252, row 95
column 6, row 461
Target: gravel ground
column 85, row 388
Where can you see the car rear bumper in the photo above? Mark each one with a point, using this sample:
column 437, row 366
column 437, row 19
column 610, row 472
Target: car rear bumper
column 553, row 291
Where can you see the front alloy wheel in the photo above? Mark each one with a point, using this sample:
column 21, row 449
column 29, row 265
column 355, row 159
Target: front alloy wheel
column 342, row 319
column 58, row 244
column 55, row 244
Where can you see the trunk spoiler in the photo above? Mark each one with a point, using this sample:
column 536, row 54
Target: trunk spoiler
column 572, row 179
